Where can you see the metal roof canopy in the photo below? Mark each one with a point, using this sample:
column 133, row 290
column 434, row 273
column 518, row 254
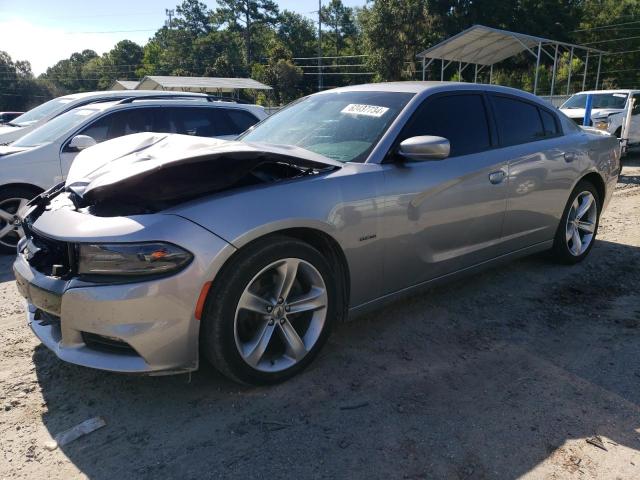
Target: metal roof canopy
column 124, row 85
column 485, row 46
column 199, row 84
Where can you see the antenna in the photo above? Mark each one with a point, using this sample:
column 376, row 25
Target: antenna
column 169, row 13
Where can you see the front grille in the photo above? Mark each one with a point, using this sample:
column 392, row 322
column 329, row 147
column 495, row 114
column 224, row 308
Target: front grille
column 48, row 256
column 107, row 344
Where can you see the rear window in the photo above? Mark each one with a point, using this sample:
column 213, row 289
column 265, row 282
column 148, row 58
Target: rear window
column 549, row 123
column 518, row 122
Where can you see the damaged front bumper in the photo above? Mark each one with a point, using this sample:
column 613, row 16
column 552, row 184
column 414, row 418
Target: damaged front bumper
column 146, row 326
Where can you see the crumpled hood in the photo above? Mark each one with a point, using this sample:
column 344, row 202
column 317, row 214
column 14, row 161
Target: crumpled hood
column 133, row 161
column 595, row 113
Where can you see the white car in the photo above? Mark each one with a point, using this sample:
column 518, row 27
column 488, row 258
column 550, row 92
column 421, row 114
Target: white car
column 43, row 157
column 608, row 110
column 41, row 114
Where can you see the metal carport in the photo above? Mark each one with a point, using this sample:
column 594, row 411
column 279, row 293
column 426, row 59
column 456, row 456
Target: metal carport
column 483, row 47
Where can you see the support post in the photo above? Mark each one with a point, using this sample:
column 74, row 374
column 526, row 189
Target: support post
column 442, row 71
column 569, row 76
column 424, row 69
column 491, row 74
column 586, row 65
column 319, row 45
column 553, row 74
column 598, row 74
column 475, row 75
column 535, row 80
column 459, row 71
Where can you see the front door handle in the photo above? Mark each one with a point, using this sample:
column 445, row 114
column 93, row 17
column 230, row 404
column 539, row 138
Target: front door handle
column 569, row 157
column 497, row 177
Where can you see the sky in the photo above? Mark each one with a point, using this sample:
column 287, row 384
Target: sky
column 45, row 31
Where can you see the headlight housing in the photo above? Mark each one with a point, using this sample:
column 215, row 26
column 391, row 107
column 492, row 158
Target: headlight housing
column 131, row 259
column 601, row 123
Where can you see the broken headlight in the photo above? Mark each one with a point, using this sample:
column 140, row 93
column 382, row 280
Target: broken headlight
column 117, row 259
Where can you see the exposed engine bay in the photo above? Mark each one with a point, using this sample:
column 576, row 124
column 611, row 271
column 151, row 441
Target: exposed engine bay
column 149, row 172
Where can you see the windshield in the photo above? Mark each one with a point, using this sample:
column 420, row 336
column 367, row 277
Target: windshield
column 600, row 100
column 343, row 126
column 50, row 131
column 32, row 116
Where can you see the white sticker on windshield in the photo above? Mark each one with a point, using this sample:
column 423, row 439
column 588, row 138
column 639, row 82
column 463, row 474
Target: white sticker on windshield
column 368, row 110
column 621, row 95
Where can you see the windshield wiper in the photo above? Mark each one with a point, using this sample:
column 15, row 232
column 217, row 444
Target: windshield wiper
column 11, row 124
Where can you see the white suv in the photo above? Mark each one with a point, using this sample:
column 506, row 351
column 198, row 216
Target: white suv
column 608, row 110
column 41, row 114
column 43, row 157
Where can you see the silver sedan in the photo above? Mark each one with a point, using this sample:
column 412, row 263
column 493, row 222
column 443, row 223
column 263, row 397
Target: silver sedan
column 159, row 248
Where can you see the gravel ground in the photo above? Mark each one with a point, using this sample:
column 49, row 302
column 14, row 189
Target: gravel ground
column 502, row 375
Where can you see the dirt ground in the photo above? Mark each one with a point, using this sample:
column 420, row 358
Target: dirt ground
column 502, row 375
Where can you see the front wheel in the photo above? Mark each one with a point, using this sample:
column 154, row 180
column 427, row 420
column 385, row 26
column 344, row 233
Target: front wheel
column 578, row 227
column 269, row 312
column 12, row 199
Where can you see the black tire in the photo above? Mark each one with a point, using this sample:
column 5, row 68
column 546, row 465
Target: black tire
column 560, row 251
column 7, row 202
column 217, row 338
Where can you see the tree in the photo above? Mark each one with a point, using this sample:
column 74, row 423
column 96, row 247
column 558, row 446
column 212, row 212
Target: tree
column 297, row 33
column 280, row 73
column 193, row 16
column 394, row 31
column 20, row 91
column 340, row 19
column 68, row 74
column 244, row 15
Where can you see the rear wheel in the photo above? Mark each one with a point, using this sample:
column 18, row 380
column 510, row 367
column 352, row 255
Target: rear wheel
column 578, row 227
column 12, row 199
column 270, row 311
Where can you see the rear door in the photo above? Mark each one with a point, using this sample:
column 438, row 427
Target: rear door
column 444, row 215
column 543, row 165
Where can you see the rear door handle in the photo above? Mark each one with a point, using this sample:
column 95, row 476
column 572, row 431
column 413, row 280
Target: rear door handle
column 497, row 177
column 569, row 157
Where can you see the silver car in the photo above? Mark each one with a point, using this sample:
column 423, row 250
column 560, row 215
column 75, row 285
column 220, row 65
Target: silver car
column 159, row 247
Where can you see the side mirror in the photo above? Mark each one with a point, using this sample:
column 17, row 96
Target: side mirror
column 80, row 142
column 426, row 147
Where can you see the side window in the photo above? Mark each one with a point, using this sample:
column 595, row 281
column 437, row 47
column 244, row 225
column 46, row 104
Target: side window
column 461, row 119
column 635, row 110
column 240, row 119
column 120, row 123
column 549, row 123
column 518, row 122
column 193, row 121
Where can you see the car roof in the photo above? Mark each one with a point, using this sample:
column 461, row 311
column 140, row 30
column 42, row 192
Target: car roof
column 179, row 102
column 433, row 87
column 125, row 93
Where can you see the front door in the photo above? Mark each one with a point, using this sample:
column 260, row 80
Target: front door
column 444, row 215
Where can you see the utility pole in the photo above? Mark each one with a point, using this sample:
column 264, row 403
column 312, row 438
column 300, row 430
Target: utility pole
column 169, row 13
column 319, row 45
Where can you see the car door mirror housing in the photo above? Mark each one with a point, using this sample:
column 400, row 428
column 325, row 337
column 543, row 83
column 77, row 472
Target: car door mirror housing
column 81, row 142
column 424, row 147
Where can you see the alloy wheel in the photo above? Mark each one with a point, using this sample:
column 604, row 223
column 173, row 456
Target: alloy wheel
column 581, row 223
column 10, row 228
column 280, row 315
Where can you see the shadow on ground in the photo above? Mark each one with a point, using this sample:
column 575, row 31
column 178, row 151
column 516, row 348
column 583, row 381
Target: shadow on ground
column 483, row 378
